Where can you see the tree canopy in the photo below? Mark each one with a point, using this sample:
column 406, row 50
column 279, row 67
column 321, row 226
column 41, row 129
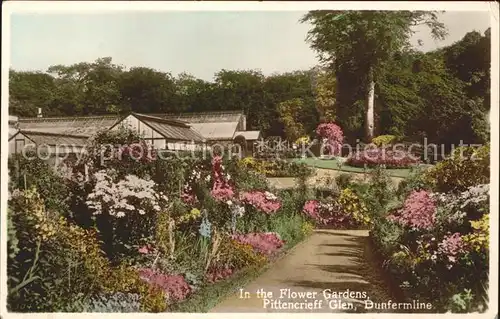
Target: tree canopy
column 443, row 95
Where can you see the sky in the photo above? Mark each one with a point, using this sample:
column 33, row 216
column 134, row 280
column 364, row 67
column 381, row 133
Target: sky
column 199, row 43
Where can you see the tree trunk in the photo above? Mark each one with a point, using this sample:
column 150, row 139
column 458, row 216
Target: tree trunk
column 370, row 105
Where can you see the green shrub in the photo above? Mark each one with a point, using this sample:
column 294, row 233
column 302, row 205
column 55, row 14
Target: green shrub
column 384, row 140
column 387, row 236
column 26, row 173
column 59, row 264
column 378, row 193
column 467, row 166
column 415, row 181
column 60, row 261
column 343, row 180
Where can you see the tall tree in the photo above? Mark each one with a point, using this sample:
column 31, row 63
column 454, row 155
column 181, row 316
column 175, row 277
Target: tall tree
column 145, row 90
column 93, row 87
column 29, row 91
column 366, row 40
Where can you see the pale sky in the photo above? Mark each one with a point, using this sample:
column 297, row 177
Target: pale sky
column 200, row 43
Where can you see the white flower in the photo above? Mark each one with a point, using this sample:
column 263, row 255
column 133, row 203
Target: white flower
column 120, row 214
column 270, row 196
column 142, row 212
column 156, row 207
column 228, row 177
column 229, row 203
column 240, row 210
column 208, row 178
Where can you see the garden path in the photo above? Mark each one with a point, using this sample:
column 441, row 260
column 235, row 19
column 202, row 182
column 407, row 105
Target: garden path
column 319, row 178
column 339, row 260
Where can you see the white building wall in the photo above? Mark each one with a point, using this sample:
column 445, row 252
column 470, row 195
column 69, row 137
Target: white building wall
column 152, row 136
column 17, row 144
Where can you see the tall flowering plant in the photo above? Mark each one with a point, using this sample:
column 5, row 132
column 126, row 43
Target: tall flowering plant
column 131, row 195
column 124, row 211
column 221, row 188
column 333, row 135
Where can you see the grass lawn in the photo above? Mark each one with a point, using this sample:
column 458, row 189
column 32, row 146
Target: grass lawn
column 333, row 164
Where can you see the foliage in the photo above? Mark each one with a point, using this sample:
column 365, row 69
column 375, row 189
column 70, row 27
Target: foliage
column 31, row 171
column 343, row 180
column 408, row 84
column 465, row 167
column 117, row 302
column 346, row 211
column 384, row 140
column 354, row 206
column 295, row 115
column 357, row 45
column 60, row 260
column 415, row 181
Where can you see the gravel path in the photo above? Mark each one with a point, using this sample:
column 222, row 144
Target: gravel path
column 328, row 261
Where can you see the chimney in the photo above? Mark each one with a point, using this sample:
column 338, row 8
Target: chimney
column 39, row 112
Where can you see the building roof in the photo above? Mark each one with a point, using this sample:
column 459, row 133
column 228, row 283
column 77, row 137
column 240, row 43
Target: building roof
column 80, row 125
column 219, row 125
column 170, row 129
column 205, row 117
column 248, row 135
column 53, row 139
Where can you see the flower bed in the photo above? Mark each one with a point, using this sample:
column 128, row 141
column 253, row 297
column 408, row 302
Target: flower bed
column 346, row 211
column 382, row 156
column 152, row 230
column 435, row 245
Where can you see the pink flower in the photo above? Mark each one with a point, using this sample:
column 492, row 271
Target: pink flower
column 451, row 247
column 419, row 211
column 175, row 286
column 221, row 189
column 334, row 136
column 327, row 213
column 382, row 156
column 215, row 274
column 222, row 193
column 260, row 201
column 311, row 208
column 144, row 250
column 264, row 243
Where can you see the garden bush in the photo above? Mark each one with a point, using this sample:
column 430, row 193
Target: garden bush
column 345, row 211
column 31, row 171
column 466, row 166
column 60, row 264
column 384, row 140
